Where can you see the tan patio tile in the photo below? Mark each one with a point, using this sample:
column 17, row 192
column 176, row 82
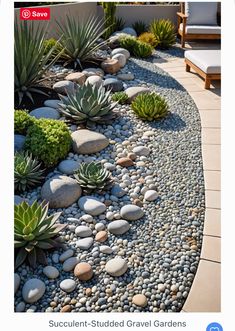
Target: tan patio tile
column 213, row 199
column 211, row 249
column 211, row 136
column 204, row 100
column 212, row 225
column 210, row 119
column 211, row 155
column 205, row 293
column 212, row 180
column 179, row 74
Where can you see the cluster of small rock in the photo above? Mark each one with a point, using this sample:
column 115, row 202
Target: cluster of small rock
column 136, row 247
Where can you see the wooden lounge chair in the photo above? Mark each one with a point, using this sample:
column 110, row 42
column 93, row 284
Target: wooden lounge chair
column 199, row 20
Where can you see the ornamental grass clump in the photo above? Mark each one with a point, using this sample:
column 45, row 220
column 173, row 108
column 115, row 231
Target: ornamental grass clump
column 35, row 232
column 27, row 172
column 120, row 97
column 22, row 121
column 80, row 39
column 93, row 177
column 140, row 27
column 87, row 104
column 142, row 50
column 127, row 42
column 48, row 140
column 31, row 60
column 164, row 32
column 150, row 106
column 148, row 38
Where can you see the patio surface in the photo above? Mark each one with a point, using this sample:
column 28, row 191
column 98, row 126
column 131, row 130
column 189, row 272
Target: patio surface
column 205, row 292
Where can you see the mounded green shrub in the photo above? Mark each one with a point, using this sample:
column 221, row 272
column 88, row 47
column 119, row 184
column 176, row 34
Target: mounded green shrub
column 22, row 121
column 148, row 38
column 48, row 140
column 52, row 44
column 142, row 49
column 164, row 32
column 120, row 97
column 150, row 106
column 127, row 42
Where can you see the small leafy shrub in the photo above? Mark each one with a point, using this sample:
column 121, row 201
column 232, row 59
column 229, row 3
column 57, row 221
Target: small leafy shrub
column 150, row 106
column 22, row 121
column 164, row 32
column 120, row 97
column 127, row 42
column 93, row 177
column 140, row 27
column 142, row 50
column 34, row 232
column 52, row 44
column 48, row 140
column 148, row 38
column 87, row 104
column 119, row 23
column 27, row 172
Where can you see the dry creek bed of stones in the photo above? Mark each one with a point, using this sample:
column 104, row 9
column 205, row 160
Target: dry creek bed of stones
column 147, row 261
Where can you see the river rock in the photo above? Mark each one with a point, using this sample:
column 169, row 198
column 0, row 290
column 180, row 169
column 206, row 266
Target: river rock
column 116, row 267
column 19, row 141
column 54, row 103
column 66, row 255
column 45, row 112
column 150, row 195
column 88, row 142
column 105, row 249
column 132, row 92
column 68, row 167
column 122, row 51
column 131, row 212
column 126, row 76
column 70, row 263
column 85, row 243
column 83, row 271
column 121, row 59
column 18, row 199
column 141, row 150
column 101, row 236
column 118, row 191
column 93, row 72
column 113, row 84
column 68, row 285
column 16, row 282
column 118, row 227
column 63, row 86
column 83, row 231
column 110, row 66
column 51, row 272
column 33, row 290
column 61, row 191
column 95, row 80
column 129, row 30
column 125, row 162
column 91, row 205
column 140, row 300
column 77, row 77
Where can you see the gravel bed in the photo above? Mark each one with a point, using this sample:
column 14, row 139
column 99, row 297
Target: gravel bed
column 162, row 249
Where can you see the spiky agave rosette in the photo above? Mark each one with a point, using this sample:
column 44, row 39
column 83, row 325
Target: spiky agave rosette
column 93, row 177
column 87, row 104
column 27, row 171
column 34, row 232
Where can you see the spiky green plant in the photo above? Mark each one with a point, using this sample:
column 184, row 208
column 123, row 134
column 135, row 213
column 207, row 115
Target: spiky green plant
column 150, row 106
column 22, row 121
column 148, row 38
column 142, row 49
column 80, row 39
column 34, row 232
column 119, row 23
column 127, row 42
column 87, row 104
column 140, row 27
column 109, row 16
column 93, row 177
column 31, row 60
column 164, row 32
column 27, row 171
column 50, row 43
column 120, row 97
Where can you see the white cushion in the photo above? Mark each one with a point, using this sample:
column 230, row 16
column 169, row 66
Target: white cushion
column 201, row 29
column 208, row 61
column 201, row 13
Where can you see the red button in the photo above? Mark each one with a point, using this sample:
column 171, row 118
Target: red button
column 35, row 14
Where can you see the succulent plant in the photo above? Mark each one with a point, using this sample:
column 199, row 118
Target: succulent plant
column 22, row 121
column 34, row 232
column 52, row 43
column 142, row 50
column 93, row 177
column 120, row 97
column 140, row 27
column 27, row 171
column 119, row 23
column 164, row 32
column 148, row 38
column 87, row 104
column 127, row 42
column 150, row 106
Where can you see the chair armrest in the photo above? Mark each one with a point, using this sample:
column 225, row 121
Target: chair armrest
column 182, row 15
